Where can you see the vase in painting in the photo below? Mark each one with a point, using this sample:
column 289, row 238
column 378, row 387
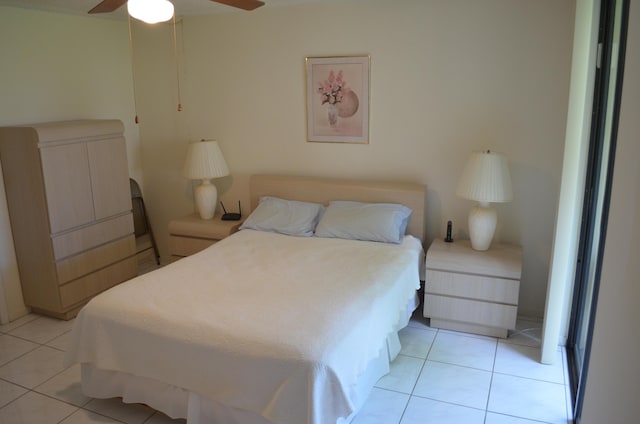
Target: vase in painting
column 332, row 115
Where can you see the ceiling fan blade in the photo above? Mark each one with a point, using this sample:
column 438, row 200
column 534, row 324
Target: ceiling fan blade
column 242, row 4
column 106, row 6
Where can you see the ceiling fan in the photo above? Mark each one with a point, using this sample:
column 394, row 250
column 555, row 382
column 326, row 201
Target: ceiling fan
column 107, row 6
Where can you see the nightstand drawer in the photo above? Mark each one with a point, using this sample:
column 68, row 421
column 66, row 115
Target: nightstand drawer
column 185, row 246
column 471, row 311
column 472, row 286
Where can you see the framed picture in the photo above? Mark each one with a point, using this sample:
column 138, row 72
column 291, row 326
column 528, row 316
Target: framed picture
column 338, row 99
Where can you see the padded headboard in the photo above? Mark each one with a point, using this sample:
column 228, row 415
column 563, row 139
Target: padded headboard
column 323, row 190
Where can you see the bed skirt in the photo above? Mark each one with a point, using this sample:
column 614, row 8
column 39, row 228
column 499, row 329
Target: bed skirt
column 177, row 402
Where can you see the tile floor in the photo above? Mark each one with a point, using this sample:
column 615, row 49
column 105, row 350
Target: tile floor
column 439, row 377
column 458, row 378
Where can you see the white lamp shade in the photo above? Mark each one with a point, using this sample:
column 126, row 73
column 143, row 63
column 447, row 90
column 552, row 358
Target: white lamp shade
column 150, row 11
column 486, row 178
column 205, row 161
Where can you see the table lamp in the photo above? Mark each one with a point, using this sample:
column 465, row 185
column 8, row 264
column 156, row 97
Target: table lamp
column 485, row 179
column 204, row 162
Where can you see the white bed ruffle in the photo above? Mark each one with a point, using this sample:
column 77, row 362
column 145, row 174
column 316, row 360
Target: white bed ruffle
column 176, row 402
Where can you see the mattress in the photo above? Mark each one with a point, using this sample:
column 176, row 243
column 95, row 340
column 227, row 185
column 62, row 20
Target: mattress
column 280, row 326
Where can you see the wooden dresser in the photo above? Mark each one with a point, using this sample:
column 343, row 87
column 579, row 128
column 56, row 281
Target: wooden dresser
column 67, row 187
column 472, row 291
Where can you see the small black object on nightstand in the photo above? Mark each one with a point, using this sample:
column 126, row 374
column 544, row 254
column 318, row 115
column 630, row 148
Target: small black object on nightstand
column 231, row 216
column 448, row 239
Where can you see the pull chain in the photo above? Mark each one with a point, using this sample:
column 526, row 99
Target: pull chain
column 175, row 49
column 133, row 73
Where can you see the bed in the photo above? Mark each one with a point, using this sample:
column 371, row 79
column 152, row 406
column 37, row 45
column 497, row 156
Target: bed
column 266, row 326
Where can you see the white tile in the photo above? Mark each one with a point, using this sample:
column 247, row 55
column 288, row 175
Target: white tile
column 34, row 408
column 463, row 350
column 43, row 329
column 82, row 416
column 61, row 342
column 382, row 406
column 402, row 375
column 33, row 368
column 493, row 418
column 454, row 384
column 160, row 418
column 65, row 386
column 13, row 347
column 427, row 411
column 130, row 413
column 9, row 392
column 467, row 334
column 418, row 320
column 5, row 328
column 526, row 398
column 416, row 341
column 524, row 361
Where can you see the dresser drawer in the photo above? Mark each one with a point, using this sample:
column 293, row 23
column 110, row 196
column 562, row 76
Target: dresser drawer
column 186, row 246
column 88, row 286
column 99, row 257
column 472, row 286
column 85, row 238
column 471, row 311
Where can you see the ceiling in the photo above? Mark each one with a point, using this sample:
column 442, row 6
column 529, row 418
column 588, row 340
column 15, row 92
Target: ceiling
column 182, row 7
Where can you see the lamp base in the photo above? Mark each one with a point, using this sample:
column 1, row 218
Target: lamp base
column 482, row 225
column 206, row 196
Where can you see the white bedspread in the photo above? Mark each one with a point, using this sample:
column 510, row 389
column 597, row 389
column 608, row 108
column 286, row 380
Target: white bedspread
column 278, row 325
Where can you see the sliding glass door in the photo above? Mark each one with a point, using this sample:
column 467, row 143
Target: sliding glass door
column 608, row 88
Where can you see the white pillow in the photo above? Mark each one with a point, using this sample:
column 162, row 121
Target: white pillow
column 383, row 222
column 282, row 216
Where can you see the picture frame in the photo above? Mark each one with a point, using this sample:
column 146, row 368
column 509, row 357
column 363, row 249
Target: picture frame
column 338, row 99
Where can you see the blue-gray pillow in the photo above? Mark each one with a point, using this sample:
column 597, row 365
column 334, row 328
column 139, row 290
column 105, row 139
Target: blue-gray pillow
column 290, row 217
column 382, row 222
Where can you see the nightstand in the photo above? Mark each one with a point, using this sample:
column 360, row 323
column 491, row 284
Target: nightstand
column 471, row 291
column 191, row 234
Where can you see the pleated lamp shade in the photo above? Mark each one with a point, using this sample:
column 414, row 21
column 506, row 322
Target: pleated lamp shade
column 486, row 178
column 204, row 161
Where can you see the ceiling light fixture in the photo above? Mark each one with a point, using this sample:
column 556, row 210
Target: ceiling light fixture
column 150, row 11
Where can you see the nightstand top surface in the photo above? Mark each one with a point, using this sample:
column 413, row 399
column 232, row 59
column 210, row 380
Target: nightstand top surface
column 194, row 226
column 501, row 260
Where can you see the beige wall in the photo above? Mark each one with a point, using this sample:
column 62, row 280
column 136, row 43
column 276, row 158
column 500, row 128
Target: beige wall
column 613, row 376
column 447, row 78
column 58, row 67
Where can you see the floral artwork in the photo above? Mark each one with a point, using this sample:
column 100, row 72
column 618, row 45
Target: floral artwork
column 337, row 99
column 341, row 100
column 332, row 89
